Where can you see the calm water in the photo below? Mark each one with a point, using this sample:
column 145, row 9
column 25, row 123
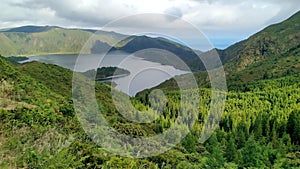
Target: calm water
column 144, row 74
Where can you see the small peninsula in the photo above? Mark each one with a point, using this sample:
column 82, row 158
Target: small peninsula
column 107, row 73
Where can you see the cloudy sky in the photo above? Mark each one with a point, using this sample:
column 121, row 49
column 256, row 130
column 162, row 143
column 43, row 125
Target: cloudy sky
column 222, row 21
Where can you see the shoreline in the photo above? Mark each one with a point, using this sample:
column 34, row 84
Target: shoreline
column 111, row 77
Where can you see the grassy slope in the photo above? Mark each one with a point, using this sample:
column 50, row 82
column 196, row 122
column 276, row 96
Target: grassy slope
column 50, row 41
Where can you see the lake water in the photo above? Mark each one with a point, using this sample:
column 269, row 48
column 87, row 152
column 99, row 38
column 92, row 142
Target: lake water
column 143, row 74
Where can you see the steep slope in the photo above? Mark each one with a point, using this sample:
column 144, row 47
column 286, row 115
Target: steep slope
column 38, row 126
column 164, row 54
column 24, row 88
column 282, row 39
column 35, row 122
column 274, row 67
column 143, row 42
column 272, row 53
column 58, row 79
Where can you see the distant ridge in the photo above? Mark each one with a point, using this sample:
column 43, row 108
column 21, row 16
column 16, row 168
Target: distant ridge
column 43, row 40
column 30, row 29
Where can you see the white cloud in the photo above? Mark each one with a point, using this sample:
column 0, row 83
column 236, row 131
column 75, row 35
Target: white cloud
column 224, row 18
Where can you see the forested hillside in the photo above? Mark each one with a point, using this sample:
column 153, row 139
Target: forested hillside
column 259, row 128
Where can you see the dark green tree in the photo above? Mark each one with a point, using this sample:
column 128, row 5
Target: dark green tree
column 257, row 128
column 251, row 154
column 189, row 142
column 293, row 127
column 215, row 157
column 230, row 152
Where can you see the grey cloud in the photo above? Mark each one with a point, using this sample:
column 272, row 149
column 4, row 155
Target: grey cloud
column 287, row 9
column 72, row 11
column 174, row 11
column 98, row 13
column 215, row 17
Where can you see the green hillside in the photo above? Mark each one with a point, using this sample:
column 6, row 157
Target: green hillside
column 279, row 40
column 39, row 129
column 165, row 56
column 164, row 52
column 49, row 40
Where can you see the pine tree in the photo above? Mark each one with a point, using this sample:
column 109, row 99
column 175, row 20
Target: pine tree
column 257, row 128
column 293, row 127
column 251, row 154
column 230, row 152
column 215, row 158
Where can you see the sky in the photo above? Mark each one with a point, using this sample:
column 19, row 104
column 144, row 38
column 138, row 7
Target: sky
column 223, row 22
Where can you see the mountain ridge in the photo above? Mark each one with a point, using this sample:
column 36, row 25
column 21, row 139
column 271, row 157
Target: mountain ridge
column 41, row 40
column 35, row 40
